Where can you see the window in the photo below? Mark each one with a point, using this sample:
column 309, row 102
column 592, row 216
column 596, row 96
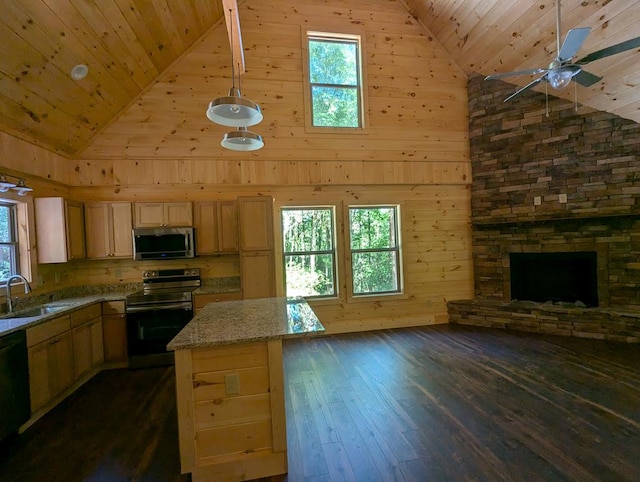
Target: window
column 375, row 250
column 335, row 80
column 308, row 237
column 8, row 241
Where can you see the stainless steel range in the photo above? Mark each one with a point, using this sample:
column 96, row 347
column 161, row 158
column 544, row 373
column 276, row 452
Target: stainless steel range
column 157, row 313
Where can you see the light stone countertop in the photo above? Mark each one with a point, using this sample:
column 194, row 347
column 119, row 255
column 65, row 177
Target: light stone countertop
column 245, row 321
column 10, row 324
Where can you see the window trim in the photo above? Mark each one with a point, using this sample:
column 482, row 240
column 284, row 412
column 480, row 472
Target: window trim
column 333, row 253
column 355, row 34
column 399, row 293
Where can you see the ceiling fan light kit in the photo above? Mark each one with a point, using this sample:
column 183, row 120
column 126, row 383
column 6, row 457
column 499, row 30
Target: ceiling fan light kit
column 234, row 110
column 562, row 71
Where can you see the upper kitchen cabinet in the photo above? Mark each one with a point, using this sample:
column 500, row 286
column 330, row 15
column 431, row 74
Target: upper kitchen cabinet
column 153, row 214
column 216, row 224
column 108, row 229
column 256, row 223
column 59, row 230
column 257, row 260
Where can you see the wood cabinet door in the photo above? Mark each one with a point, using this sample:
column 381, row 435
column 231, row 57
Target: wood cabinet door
column 227, row 226
column 205, row 221
column 97, row 342
column 121, row 225
column 51, row 230
column 75, row 230
column 39, row 383
column 114, row 331
column 258, row 274
column 82, row 356
column 149, row 215
column 97, row 227
column 255, row 215
column 178, row 214
column 61, row 363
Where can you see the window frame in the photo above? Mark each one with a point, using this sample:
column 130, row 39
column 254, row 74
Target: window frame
column 333, row 252
column 397, row 249
column 14, row 242
column 353, row 37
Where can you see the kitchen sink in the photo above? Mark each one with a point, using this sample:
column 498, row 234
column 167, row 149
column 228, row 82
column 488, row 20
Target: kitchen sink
column 35, row 312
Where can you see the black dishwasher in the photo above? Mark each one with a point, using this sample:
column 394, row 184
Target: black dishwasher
column 15, row 406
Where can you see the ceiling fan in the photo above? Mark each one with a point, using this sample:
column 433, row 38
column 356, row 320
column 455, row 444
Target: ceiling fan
column 561, row 71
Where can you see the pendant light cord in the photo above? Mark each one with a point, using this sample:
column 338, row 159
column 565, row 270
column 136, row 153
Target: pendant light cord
column 233, row 71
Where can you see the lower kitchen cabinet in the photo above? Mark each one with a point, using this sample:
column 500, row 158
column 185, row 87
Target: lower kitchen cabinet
column 87, row 339
column 114, row 329
column 51, row 360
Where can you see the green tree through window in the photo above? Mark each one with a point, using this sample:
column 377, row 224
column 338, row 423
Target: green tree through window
column 375, row 250
column 334, row 76
column 309, row 251
column 8, row 241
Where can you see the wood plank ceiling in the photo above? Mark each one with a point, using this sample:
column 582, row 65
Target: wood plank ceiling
column 127, row 44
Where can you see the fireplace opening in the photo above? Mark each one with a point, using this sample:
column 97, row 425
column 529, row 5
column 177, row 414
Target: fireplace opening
column 557, row 277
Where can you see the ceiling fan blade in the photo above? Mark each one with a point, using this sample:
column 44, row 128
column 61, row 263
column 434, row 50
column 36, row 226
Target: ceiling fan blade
column 526, row 87
column 572, row 42
column 614, row 49
column 514, row 73
column 586, row 79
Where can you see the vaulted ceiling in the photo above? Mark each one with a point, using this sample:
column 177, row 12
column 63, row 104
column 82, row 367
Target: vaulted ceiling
column 127, row 44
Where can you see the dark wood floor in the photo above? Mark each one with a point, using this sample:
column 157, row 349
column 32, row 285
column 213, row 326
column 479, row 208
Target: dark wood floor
column 437, row 403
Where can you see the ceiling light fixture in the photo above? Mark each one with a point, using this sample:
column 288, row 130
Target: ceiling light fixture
column 20, row 187
column 5, row 184
column 234, row 110
column 560, row 77
column 79, row 72
column 242, row 140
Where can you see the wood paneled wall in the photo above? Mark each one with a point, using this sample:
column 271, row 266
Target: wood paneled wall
column 417, row 109
column 414, row 150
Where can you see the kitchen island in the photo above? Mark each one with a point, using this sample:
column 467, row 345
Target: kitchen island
column 230, row 387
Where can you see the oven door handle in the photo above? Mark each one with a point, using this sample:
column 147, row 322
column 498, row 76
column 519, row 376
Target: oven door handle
column 160, row 307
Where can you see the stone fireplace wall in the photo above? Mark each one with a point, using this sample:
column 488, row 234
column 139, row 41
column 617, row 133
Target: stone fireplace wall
column 556, row 180
column 519, row 154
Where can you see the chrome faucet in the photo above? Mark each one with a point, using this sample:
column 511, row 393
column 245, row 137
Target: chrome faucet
column 27, row 289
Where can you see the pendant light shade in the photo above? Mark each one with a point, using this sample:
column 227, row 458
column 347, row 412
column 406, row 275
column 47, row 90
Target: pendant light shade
column 22, row 188
column 234, row 110
column 242, row 140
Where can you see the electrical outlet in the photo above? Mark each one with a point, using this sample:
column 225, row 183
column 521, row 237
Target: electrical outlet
column 232, row 384
column 562, row 198
column 537, row 201
column 57, row 277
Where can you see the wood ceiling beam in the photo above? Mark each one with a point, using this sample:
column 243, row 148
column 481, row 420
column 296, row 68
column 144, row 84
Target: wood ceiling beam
column 232, row 20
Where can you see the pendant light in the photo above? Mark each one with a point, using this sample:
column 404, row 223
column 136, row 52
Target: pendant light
column 20, row 187
column 242, row 140
column 234, row 110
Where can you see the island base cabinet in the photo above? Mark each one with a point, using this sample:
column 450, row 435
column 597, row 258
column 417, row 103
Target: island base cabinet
column 238, row 432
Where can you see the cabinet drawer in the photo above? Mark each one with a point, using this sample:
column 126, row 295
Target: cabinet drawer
column 85, row 314
column 112, row 307
column 47, row 330
column 200, row 301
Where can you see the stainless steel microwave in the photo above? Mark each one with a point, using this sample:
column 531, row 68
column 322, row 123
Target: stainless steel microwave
column 163, row 243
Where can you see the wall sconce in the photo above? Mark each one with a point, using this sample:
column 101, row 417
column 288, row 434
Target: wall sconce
column 20, row 187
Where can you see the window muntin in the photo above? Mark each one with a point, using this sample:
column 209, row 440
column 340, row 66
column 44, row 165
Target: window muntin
column 375, row 250
column 8, row 241
column 335, row 81
column 308, row 237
